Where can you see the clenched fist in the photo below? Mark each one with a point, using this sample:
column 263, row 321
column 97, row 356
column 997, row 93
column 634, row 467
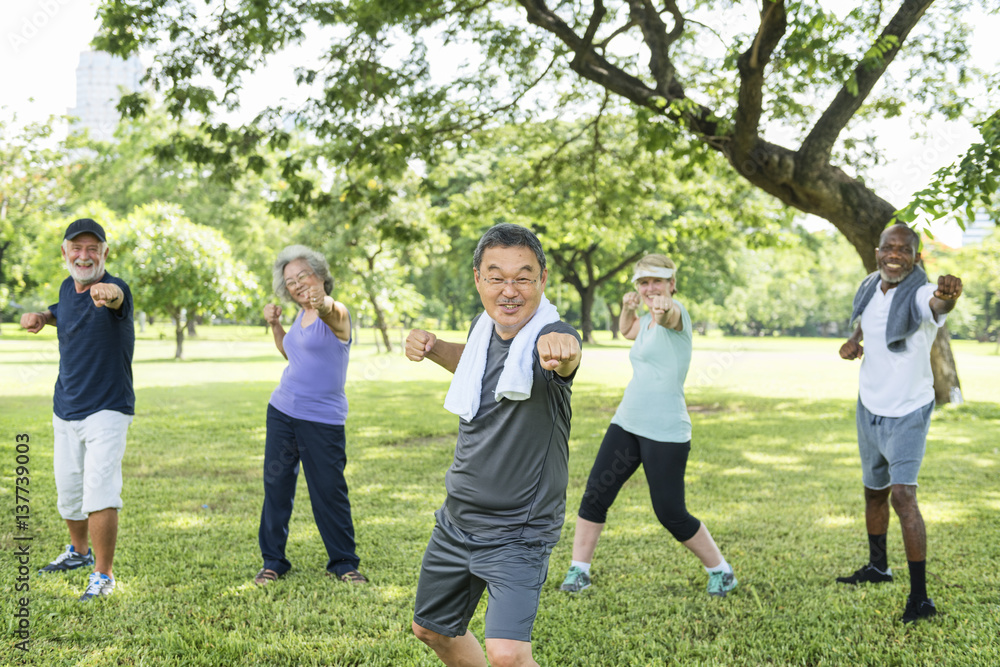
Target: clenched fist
column 631, row 301
column 949, row 288
column 660, row 303
column 32, row 322
column 559, row 351
column 851, row 350
column 105, row 294
column 419, row 343
column 319, row 300
column 272, row 314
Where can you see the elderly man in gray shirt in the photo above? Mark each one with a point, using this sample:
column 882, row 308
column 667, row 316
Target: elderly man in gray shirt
column 506, row 489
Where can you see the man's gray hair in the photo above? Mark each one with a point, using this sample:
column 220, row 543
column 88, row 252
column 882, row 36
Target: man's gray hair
column 315, row 260
column 507, row 235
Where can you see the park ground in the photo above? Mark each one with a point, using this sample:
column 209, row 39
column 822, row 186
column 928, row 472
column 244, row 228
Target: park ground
column 773, row 472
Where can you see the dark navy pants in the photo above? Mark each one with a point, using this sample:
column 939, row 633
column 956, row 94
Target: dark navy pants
column 320, row 448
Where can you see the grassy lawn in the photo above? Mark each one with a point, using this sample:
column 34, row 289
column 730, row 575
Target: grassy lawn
column 773, row 473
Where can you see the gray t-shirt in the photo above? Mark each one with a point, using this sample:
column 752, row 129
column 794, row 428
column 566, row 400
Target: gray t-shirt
column 510, row 470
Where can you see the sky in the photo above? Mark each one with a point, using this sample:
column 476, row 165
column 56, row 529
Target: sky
column 41, row 42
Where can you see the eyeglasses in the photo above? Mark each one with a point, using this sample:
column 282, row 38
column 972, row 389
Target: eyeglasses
column 290, row 284
column 520, row 284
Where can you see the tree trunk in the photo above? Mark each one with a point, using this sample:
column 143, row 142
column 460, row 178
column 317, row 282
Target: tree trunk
column 192, row 332
column 613, row 319
column 586, row 313
column 3, row 250
column 179, row 334
column 380, row 322
column 947, row 388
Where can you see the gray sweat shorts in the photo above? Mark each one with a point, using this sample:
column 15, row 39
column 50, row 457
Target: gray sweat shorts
column 459, row 566
column 892, row 448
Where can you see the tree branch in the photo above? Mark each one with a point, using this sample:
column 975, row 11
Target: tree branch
column 591, row 65
column 656, row 37
column 751, row 66
column 817, row 147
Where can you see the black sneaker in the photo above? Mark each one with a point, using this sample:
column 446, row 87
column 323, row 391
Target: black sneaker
column 920, row 609
column 869, row 573
column 69, row 560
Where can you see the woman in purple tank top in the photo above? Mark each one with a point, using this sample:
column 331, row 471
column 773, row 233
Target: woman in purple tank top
column 306, row 417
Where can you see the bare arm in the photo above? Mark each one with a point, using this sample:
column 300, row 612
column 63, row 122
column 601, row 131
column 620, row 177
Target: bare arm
column 947, row 293
column 333, row 313
column 422, row 345
column 272, row 315
column 34, row 322
column 628, row 322
column 666, row 313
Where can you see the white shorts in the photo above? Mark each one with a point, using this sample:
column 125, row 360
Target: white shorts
column 87, row 457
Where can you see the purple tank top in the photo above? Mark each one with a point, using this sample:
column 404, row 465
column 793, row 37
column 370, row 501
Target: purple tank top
column 312, row 386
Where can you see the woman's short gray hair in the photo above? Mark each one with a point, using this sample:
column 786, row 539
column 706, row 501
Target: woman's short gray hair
column 315, row 260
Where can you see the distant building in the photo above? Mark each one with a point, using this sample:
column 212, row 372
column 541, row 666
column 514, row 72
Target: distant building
column 99, row 78
column 979, row 229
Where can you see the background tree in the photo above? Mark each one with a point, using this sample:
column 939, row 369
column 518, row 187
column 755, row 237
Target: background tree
column 979, row 267
column 172, row 264
column 374, row 236
column 33, row 185
column 599, row 201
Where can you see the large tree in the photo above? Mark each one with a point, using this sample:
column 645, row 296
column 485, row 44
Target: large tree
column 773, row 92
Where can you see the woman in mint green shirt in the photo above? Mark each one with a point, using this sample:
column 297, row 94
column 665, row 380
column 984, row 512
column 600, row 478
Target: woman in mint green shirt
column 651, row 427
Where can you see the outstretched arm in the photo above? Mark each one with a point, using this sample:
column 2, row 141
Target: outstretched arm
column 559, row 352
column 422, row 345
column 945, row 296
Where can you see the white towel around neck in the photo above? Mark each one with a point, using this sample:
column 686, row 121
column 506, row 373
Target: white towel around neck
column 515, row 380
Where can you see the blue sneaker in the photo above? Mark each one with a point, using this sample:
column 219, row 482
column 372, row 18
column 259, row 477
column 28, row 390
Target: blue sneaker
column 69, row 560
column 576, row 580
column 100, row 584
column 720, row 583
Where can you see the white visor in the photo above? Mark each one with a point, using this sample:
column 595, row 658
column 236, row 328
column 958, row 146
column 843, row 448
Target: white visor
column 653, row 272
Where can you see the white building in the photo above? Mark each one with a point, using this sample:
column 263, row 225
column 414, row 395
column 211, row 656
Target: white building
column 978, row 229
column 100, row 77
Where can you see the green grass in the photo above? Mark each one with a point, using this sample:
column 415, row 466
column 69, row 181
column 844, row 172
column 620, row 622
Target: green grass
column 773, row 473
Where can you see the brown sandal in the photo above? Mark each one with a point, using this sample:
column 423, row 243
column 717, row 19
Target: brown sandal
column 265, row 577
column 352, row 577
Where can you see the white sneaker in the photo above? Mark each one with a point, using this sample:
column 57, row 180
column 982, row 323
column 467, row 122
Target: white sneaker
column 100, row 584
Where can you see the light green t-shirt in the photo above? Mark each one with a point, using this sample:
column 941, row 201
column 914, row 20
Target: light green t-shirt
column 653, row 406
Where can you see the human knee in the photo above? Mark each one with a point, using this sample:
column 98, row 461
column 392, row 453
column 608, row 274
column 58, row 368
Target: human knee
column 904, row 499
column 509, row 653
column 428, row 637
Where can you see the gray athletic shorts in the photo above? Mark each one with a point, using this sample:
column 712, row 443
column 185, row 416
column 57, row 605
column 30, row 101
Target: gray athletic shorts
column 892, row 448
column 458, row 566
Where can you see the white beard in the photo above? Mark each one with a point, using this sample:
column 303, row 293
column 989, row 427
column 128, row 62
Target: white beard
column 86, row 275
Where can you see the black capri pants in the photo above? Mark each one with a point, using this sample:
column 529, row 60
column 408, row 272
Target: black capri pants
column 663, row 462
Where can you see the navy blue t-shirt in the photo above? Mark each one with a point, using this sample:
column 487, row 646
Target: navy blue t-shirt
column 95, row 353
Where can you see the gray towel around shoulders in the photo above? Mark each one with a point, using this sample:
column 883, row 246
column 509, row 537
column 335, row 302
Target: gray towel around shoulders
column 904, row 313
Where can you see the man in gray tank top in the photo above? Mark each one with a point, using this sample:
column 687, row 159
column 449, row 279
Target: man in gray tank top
column 506, row 489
